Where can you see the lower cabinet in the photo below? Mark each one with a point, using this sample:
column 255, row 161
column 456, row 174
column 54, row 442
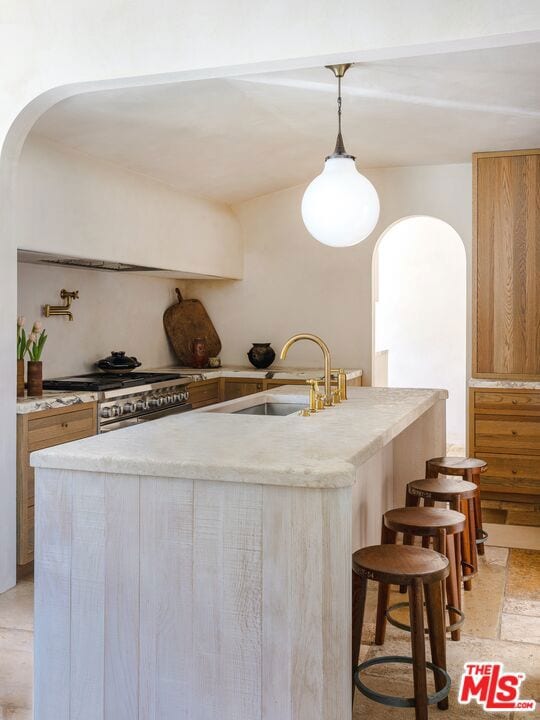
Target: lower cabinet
column 36, row 431
column 504, row 430
column 205, row 392
column 238, row 387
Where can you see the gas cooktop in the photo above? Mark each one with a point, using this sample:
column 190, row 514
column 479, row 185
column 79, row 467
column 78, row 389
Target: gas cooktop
column 107, row 381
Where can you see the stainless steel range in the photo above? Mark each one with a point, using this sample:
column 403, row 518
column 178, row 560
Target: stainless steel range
column 130, row 398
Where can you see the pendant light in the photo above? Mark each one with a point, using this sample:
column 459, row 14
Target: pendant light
column 340, row 206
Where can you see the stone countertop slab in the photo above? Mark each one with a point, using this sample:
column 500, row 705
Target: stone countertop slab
column 238, row 371
column 322, row 450
column 505, row 384
column 52, row 400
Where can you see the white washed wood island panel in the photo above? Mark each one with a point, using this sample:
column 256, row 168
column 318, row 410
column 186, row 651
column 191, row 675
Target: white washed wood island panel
column 161, row 599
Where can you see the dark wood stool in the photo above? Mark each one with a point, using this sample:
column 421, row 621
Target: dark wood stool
column 460, row 495
column 417, row 568
column 469, row 469
column 444, row 528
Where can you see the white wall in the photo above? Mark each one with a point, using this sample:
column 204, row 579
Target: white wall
column 115, row 311
column 67, row 202
column 421, row 312
column 293, row 283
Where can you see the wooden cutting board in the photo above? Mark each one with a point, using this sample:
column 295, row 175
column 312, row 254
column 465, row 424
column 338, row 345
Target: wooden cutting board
column 186, row 320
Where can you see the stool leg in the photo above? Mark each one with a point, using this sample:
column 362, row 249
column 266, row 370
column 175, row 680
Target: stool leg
column 359, row 589
column 416, row 606
column 408, row 539
column 477, row 509
column 472, row 540
column 437, row 635
column 452, row 584
column 388, row 537
column 466, row 545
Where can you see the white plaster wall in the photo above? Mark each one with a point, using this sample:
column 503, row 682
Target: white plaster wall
column 420, row 316
column 115, row 311
column 53, row 50
column 67, row 202
column 293, row 283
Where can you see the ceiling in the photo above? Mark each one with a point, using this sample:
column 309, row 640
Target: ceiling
column 235, row 139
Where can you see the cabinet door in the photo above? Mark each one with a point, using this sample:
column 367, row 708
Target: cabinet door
column 238, row 388
column 204, row 392
column 506, row 291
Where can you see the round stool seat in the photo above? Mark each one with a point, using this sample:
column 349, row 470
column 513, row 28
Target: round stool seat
column 424, row 521
column 457, row 465
column 442, row 489
column 400, row 564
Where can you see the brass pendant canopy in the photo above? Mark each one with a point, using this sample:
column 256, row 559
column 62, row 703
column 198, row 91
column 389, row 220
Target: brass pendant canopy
column 339, row 150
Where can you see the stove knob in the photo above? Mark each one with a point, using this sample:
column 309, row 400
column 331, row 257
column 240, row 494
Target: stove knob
column 116, row 410
column 155, row 402
column 106, row 412
column 184, row 395
column 129, row 407
column 176, row 397
column 168, row 399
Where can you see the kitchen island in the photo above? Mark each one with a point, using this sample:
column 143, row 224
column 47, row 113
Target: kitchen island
column 199, row 566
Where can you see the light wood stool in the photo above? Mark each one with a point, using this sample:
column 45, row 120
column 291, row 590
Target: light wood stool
column 423, row 571
column 444, row 528
column 469, row 469
column 460, row 495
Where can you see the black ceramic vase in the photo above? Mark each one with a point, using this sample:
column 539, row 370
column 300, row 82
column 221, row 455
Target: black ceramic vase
column 261, row 355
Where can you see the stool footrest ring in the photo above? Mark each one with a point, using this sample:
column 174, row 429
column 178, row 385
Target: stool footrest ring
column 403, row 626
column 393, row 700
column 483, row 536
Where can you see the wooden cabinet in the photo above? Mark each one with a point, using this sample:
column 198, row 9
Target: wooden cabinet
column 204, row 392
column 36, row 431
column 238, row 387
column 504, row 430
column 506, row 272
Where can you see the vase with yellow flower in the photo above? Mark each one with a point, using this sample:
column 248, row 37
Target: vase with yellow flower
column 34, row 348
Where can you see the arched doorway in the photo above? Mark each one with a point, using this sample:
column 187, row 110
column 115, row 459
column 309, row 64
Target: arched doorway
column 420, row 296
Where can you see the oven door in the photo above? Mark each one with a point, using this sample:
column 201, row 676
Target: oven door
column 117, row 424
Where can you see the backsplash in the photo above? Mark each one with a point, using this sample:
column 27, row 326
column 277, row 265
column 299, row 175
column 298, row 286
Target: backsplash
column 114, row 311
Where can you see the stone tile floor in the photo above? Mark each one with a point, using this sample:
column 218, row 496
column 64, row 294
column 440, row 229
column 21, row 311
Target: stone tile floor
column 503, row 623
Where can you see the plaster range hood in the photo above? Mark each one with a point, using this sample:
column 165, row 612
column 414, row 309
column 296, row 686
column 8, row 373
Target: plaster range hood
column 55, row 260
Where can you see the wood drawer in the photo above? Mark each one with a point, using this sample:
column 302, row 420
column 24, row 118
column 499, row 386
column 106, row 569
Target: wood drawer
column 204, row 393
column 503, row 433
column 505, row 400
column 54, row 429
column 511, row 473
column 236, row 388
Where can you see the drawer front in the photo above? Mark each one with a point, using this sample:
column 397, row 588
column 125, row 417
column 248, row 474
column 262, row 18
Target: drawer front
column 505, row 400
column 511, row 473
column 239, row 388
column 55, row 429
column 204, row 393
column 503, row 433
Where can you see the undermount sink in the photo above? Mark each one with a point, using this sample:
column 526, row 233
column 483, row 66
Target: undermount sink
column 271, row 408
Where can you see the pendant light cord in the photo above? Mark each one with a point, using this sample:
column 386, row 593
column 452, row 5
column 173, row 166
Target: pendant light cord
column 339, row 104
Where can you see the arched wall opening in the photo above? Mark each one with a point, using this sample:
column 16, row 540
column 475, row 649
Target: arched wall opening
column 420, row 313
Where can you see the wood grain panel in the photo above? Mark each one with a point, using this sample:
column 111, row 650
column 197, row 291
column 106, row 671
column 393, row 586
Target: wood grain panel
column 166, row 641
column 235, row 388
column 51, row 428
column 121, row 693
column 507, row 400
column 518, row 474
column 506, row 292
column 510, row 434
column 87, row 597
column 52, row 596
column 204, row 392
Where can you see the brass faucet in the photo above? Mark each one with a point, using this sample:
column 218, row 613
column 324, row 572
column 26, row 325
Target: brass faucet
column 327, row 362
column 66, row 295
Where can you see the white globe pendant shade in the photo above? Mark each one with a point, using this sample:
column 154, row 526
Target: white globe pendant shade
column 340, row 206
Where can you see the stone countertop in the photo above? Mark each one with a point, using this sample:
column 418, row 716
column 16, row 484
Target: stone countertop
column 505, row 384
column 271, row 373
column 52, row 400
column 322, row 450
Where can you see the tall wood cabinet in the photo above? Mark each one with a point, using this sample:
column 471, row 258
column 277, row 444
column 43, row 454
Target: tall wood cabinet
column 506, row 274
column 504, row 421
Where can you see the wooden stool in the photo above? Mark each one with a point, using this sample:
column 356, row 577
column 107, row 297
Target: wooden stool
column 460, row 494
column 469, row 469
column 445, row 528
column 416, row 568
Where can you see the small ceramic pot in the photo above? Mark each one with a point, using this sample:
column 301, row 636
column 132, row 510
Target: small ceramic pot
column 199, row 353
column 20, row 378
column 35, row 378
column 214, row 362
column 261, row 355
